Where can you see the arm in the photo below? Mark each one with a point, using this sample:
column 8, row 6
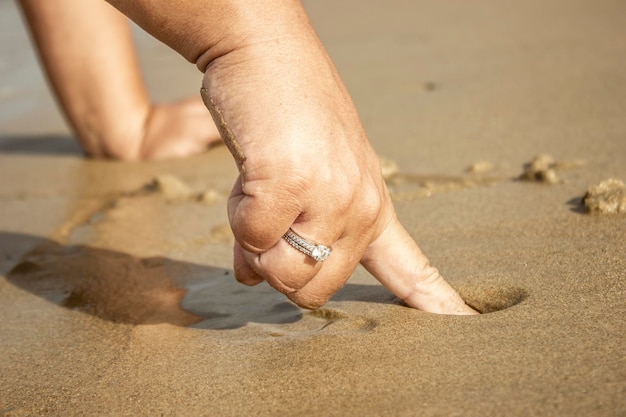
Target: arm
column 87, row 50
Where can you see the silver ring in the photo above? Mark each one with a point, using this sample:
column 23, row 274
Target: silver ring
column 317, row 252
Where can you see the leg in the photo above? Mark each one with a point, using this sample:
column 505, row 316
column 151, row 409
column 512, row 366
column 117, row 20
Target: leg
column 87, row 50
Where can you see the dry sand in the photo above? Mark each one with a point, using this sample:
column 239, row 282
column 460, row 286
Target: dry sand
column 118, row 299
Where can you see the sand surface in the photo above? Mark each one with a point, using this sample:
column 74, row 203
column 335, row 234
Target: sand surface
column 117, row 296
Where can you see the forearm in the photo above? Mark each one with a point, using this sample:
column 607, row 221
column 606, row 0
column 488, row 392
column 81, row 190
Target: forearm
column 86, row 48
column 202, row 31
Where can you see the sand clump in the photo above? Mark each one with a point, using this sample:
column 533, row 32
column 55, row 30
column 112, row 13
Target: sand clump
column 543, row 169
column 209, row 197
column 222, row 233
column 173, row 189
column 607, row 197
column 482, row 167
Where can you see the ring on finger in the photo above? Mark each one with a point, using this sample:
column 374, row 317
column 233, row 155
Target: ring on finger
column 315, row 251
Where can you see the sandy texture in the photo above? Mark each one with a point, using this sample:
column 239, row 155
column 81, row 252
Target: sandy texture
column 117, row 299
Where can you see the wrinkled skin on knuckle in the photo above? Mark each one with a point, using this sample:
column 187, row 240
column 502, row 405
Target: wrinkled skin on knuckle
column 335, row 197
column 364, row 211
column 278, row 179
column 261, row 207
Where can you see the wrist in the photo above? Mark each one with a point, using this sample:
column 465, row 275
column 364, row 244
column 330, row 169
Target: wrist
column 255, row 25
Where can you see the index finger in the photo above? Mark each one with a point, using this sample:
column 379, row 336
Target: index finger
column 398, row 263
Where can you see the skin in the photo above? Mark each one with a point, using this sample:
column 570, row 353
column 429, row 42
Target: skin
column 303, row 156
column 87, row 50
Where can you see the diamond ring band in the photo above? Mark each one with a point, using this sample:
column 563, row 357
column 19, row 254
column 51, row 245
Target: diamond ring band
column 317, row 252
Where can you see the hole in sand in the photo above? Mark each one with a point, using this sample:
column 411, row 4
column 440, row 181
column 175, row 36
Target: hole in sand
column 488, row 299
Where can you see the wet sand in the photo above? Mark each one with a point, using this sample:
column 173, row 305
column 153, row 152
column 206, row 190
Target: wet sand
column 118, row 298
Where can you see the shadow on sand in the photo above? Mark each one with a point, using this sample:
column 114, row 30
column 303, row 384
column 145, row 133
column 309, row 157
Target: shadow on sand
column 119, row 287
column 40, row 145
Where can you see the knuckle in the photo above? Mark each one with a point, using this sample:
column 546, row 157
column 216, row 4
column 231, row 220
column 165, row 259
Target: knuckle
column 370, row 204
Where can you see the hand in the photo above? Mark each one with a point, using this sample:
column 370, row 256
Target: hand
column 304, row 158
column 95, row 74
column 306, row 164
column 177, row 130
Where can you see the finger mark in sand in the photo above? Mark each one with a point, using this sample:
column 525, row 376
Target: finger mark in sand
column 488, row 299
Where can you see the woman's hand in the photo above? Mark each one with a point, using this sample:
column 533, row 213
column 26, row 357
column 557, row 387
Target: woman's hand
column 306, row 164
column 303, row 156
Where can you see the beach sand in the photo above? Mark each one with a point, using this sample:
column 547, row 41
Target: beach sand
column 118, row 298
